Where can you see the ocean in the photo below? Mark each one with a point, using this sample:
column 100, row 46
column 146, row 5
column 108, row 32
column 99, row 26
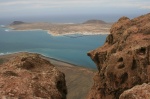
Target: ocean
column 68, row 48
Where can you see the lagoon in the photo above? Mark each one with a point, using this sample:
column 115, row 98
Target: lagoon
column 68, row 48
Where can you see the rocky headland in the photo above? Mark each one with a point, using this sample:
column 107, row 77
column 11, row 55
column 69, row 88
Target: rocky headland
column 90, row 27
column 123, row 61
column 28, row 76
column 78, row 80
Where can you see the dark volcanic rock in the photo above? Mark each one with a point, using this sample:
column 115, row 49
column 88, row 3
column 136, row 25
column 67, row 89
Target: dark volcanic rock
column 137, row 92
column 17, row 23
column 124, row 60
column 94, row 22
column 28, row 76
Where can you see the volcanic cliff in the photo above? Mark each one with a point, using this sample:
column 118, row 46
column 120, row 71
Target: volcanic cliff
column 124, row 60
column 28, row 76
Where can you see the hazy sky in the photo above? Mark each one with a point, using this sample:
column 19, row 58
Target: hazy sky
column 19, row 8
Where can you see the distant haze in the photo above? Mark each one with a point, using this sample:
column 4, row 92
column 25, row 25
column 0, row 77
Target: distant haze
column 71, row 10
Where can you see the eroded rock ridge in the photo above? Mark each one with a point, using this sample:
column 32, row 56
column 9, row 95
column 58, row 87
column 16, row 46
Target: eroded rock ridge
column 124, row 60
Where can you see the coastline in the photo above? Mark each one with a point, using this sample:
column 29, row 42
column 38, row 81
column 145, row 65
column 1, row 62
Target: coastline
column 64, row 38
column 57, row 60
column 81, row 33
column 77, row 78
column 56, row 34
column 64, row 29
column 52, row 60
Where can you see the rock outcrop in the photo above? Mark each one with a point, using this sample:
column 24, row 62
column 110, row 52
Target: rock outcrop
column 137, row 92
column 124, row 60
column 28, row 76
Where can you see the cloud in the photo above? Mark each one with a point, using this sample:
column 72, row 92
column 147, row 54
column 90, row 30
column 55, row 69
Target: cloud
column 145, row 7
column 14, row 5
column 74, row 6
column 74, row 3
column 46, row 2
column 138, row 4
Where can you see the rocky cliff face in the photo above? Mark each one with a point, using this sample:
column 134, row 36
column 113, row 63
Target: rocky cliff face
column 124, row 60
column 28, row 76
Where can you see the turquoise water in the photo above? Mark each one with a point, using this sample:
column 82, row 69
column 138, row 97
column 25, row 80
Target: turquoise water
column 70, row 48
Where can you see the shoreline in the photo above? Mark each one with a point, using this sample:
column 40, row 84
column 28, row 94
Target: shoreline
column 57, row 60
column 77, row 78
column 80, row 33
column 41, row 55
column 55, row 34
column 61, row 29
column 52, row 60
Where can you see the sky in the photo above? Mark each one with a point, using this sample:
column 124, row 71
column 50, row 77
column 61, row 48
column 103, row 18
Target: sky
column 32, row 8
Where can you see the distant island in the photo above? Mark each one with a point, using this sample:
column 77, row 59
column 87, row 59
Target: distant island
column 90, row 27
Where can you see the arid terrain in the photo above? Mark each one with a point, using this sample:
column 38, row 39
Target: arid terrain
column 123, row 62
column 28, row 76
column 91, row 27
column 78, row 80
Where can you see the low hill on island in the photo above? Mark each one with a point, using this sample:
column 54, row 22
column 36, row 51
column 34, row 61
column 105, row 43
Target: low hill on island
column 17, row 23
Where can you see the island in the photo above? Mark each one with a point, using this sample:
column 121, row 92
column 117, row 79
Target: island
column 90, row 27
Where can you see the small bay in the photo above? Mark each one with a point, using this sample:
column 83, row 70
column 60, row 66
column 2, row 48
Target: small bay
column 68, row 48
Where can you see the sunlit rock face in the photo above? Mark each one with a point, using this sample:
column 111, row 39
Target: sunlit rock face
column 28, row 76
column 124, row 60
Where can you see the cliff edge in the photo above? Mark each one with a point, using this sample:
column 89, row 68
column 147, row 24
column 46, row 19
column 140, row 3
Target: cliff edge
column 124, row 60
column 28, row 76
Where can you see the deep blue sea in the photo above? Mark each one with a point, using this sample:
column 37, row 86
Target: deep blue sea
column 70, row 48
